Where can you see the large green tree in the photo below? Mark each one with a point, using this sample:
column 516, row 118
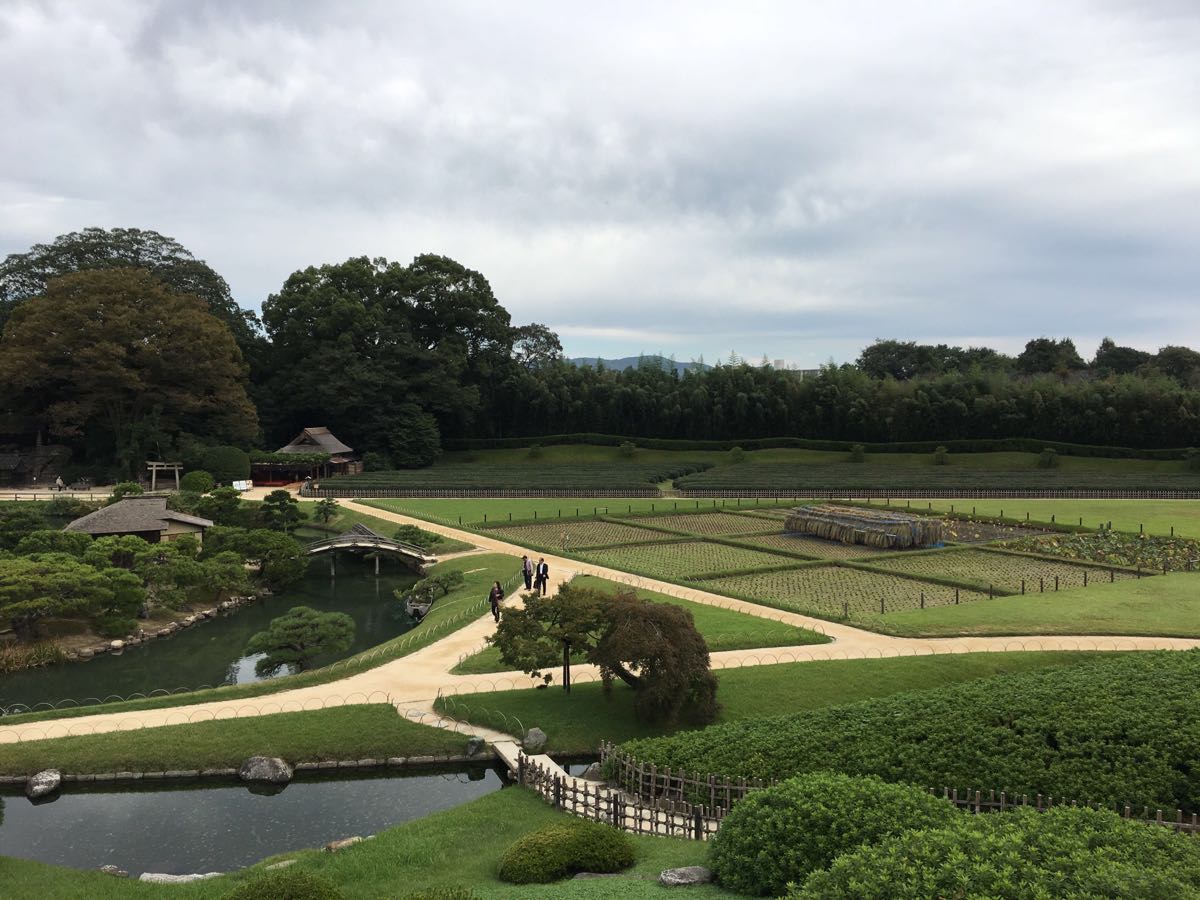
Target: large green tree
column 27, row 275
column 50, row 584
column 358, row 345
column 295, row 638
column 121, row 363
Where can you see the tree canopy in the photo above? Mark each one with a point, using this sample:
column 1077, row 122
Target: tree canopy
column 295, row 638
column 115, row 359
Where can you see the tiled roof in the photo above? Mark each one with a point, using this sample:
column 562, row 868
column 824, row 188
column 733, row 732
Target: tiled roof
column 134, row 514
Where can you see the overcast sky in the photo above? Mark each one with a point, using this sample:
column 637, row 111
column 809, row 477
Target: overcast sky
column 790, row 179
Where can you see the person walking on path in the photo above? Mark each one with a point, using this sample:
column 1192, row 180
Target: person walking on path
column 496, row 597
column 527, row 571
column 542, row 576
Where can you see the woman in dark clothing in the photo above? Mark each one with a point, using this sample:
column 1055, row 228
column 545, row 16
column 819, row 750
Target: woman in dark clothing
column 496, row 597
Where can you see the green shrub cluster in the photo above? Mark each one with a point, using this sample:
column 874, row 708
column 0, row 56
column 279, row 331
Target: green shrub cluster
column 782, row 834
column 1022, row 855
column 225, row 464
column 563, row 849
column 286, row 884
column 197, row 482
column 1119, row 730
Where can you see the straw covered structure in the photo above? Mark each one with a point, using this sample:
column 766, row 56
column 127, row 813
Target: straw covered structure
column 869, row 527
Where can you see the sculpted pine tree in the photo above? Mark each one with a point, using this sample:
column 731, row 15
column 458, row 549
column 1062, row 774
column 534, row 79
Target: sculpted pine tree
column 295, row 638
column 121, row 357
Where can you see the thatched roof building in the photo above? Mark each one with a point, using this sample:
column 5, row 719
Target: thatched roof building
column 316, row 442
column 144, row 517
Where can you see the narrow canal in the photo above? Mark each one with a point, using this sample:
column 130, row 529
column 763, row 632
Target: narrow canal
column 212, row 652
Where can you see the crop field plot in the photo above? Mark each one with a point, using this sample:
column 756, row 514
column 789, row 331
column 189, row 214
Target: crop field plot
column 576, row 535
column 969, row 531
column 685, row 560
column 813, row 548
column 835, row 592
column 715, row 523
column 1002, row 570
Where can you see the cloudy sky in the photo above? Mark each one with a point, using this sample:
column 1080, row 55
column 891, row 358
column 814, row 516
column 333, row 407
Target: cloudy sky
column 790, row 179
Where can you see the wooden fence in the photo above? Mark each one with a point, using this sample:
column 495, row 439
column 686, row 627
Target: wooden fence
column 710, row 797
column 843, row 493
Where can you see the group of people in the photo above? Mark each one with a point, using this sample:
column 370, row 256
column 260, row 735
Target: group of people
column 537, row 578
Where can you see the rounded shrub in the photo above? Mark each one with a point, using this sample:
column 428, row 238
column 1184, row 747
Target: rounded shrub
column 781, row 834
column 563, row 849
column 1021, row 855
column 226, row 464
column 197, row 482
column 286, row 884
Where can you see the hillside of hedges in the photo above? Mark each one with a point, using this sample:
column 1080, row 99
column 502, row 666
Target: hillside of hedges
column 1115, row 731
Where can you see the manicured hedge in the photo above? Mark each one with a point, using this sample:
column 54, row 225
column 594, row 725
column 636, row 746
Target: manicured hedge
column 1119, row 730
column 477, row 476
column 981, row 445
column 564, row 848
column 784, row 833
column 1023, row 855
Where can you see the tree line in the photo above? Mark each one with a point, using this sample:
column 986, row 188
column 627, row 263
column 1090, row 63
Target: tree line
column 123, row 346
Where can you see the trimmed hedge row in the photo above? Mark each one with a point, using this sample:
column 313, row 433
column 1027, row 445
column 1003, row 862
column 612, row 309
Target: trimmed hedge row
column 1113, row 731
column 1021, row 855
column 982, row 445
column 564, row 848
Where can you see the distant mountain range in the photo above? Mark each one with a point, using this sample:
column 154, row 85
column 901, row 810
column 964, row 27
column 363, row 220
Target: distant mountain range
column 632, row 362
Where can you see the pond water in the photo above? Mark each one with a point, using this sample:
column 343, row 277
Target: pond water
column 211, row 652
column 219, row 826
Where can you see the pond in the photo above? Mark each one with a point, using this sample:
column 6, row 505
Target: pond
column 211, row 652
column 219, row 826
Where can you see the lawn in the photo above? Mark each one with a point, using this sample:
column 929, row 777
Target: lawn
column 1165, row 605
column 578, row 722
column 460, row 847
column 373, row 731
column 1155, row 516
column 835, row 592
column 723, row 629
column 448, row 614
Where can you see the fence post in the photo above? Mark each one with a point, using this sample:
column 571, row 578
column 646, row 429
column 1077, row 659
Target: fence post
column 521, row 768
column 558, row 793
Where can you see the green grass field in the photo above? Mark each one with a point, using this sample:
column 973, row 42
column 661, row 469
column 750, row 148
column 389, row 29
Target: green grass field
column 1165, row 605
column 472, row 511
column 578, row 722
column 373, row 731
column 348, row 518
column 458, row 848
column 723, row 629
column 683, row 561
column 565, row 536
column 709, row 524
column 1155, row 516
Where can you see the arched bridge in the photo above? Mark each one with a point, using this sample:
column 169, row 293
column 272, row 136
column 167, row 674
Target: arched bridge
column 362, row 539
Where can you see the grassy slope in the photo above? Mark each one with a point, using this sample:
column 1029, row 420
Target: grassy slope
column 1165, row 605
column 722, row 629
column 578, row 722
column 1156, row 516
column 458, row 847
column 447, row 615
column 351, row 732
column 572, row 453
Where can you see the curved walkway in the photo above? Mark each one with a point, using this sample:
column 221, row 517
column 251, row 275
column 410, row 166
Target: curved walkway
column 412, row 683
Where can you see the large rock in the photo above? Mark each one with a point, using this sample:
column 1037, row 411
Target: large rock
column 475, row 745
column 344, row 843
column 271, row 769
column 592, row 773
column 43, row 784
column 684, row 876
column 165, row 878
column 535, row 739
column 115, row 871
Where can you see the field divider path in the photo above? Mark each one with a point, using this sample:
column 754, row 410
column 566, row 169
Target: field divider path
column 412, row 683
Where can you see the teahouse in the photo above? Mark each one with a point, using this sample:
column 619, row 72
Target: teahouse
column 317, row 454
column 144, row 517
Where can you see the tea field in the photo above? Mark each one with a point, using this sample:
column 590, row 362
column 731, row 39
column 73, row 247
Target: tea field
column 612, row 478
column 1003, row 571
column 811, row 547
column 566, row 536
column 835, row 592
column 718, row 524
column 685, row 560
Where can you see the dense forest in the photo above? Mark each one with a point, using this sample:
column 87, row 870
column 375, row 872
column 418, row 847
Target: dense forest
column 121, row 346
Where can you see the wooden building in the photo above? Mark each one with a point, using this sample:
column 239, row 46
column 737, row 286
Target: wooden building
column 146, row 517
column 309, row 444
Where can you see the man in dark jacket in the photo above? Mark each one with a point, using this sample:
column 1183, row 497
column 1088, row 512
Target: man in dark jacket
column 541, row 577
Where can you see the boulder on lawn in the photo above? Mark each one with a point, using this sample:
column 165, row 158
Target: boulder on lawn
column 475, row 744
column 534, row 740
column 684, row 876
column 43, row 784
column 271, row 769
column 343, row 844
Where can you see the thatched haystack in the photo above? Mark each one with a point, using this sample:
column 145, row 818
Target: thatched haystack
column 870, row 527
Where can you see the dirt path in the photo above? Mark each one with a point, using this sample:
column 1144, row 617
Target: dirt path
column 413, row 682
